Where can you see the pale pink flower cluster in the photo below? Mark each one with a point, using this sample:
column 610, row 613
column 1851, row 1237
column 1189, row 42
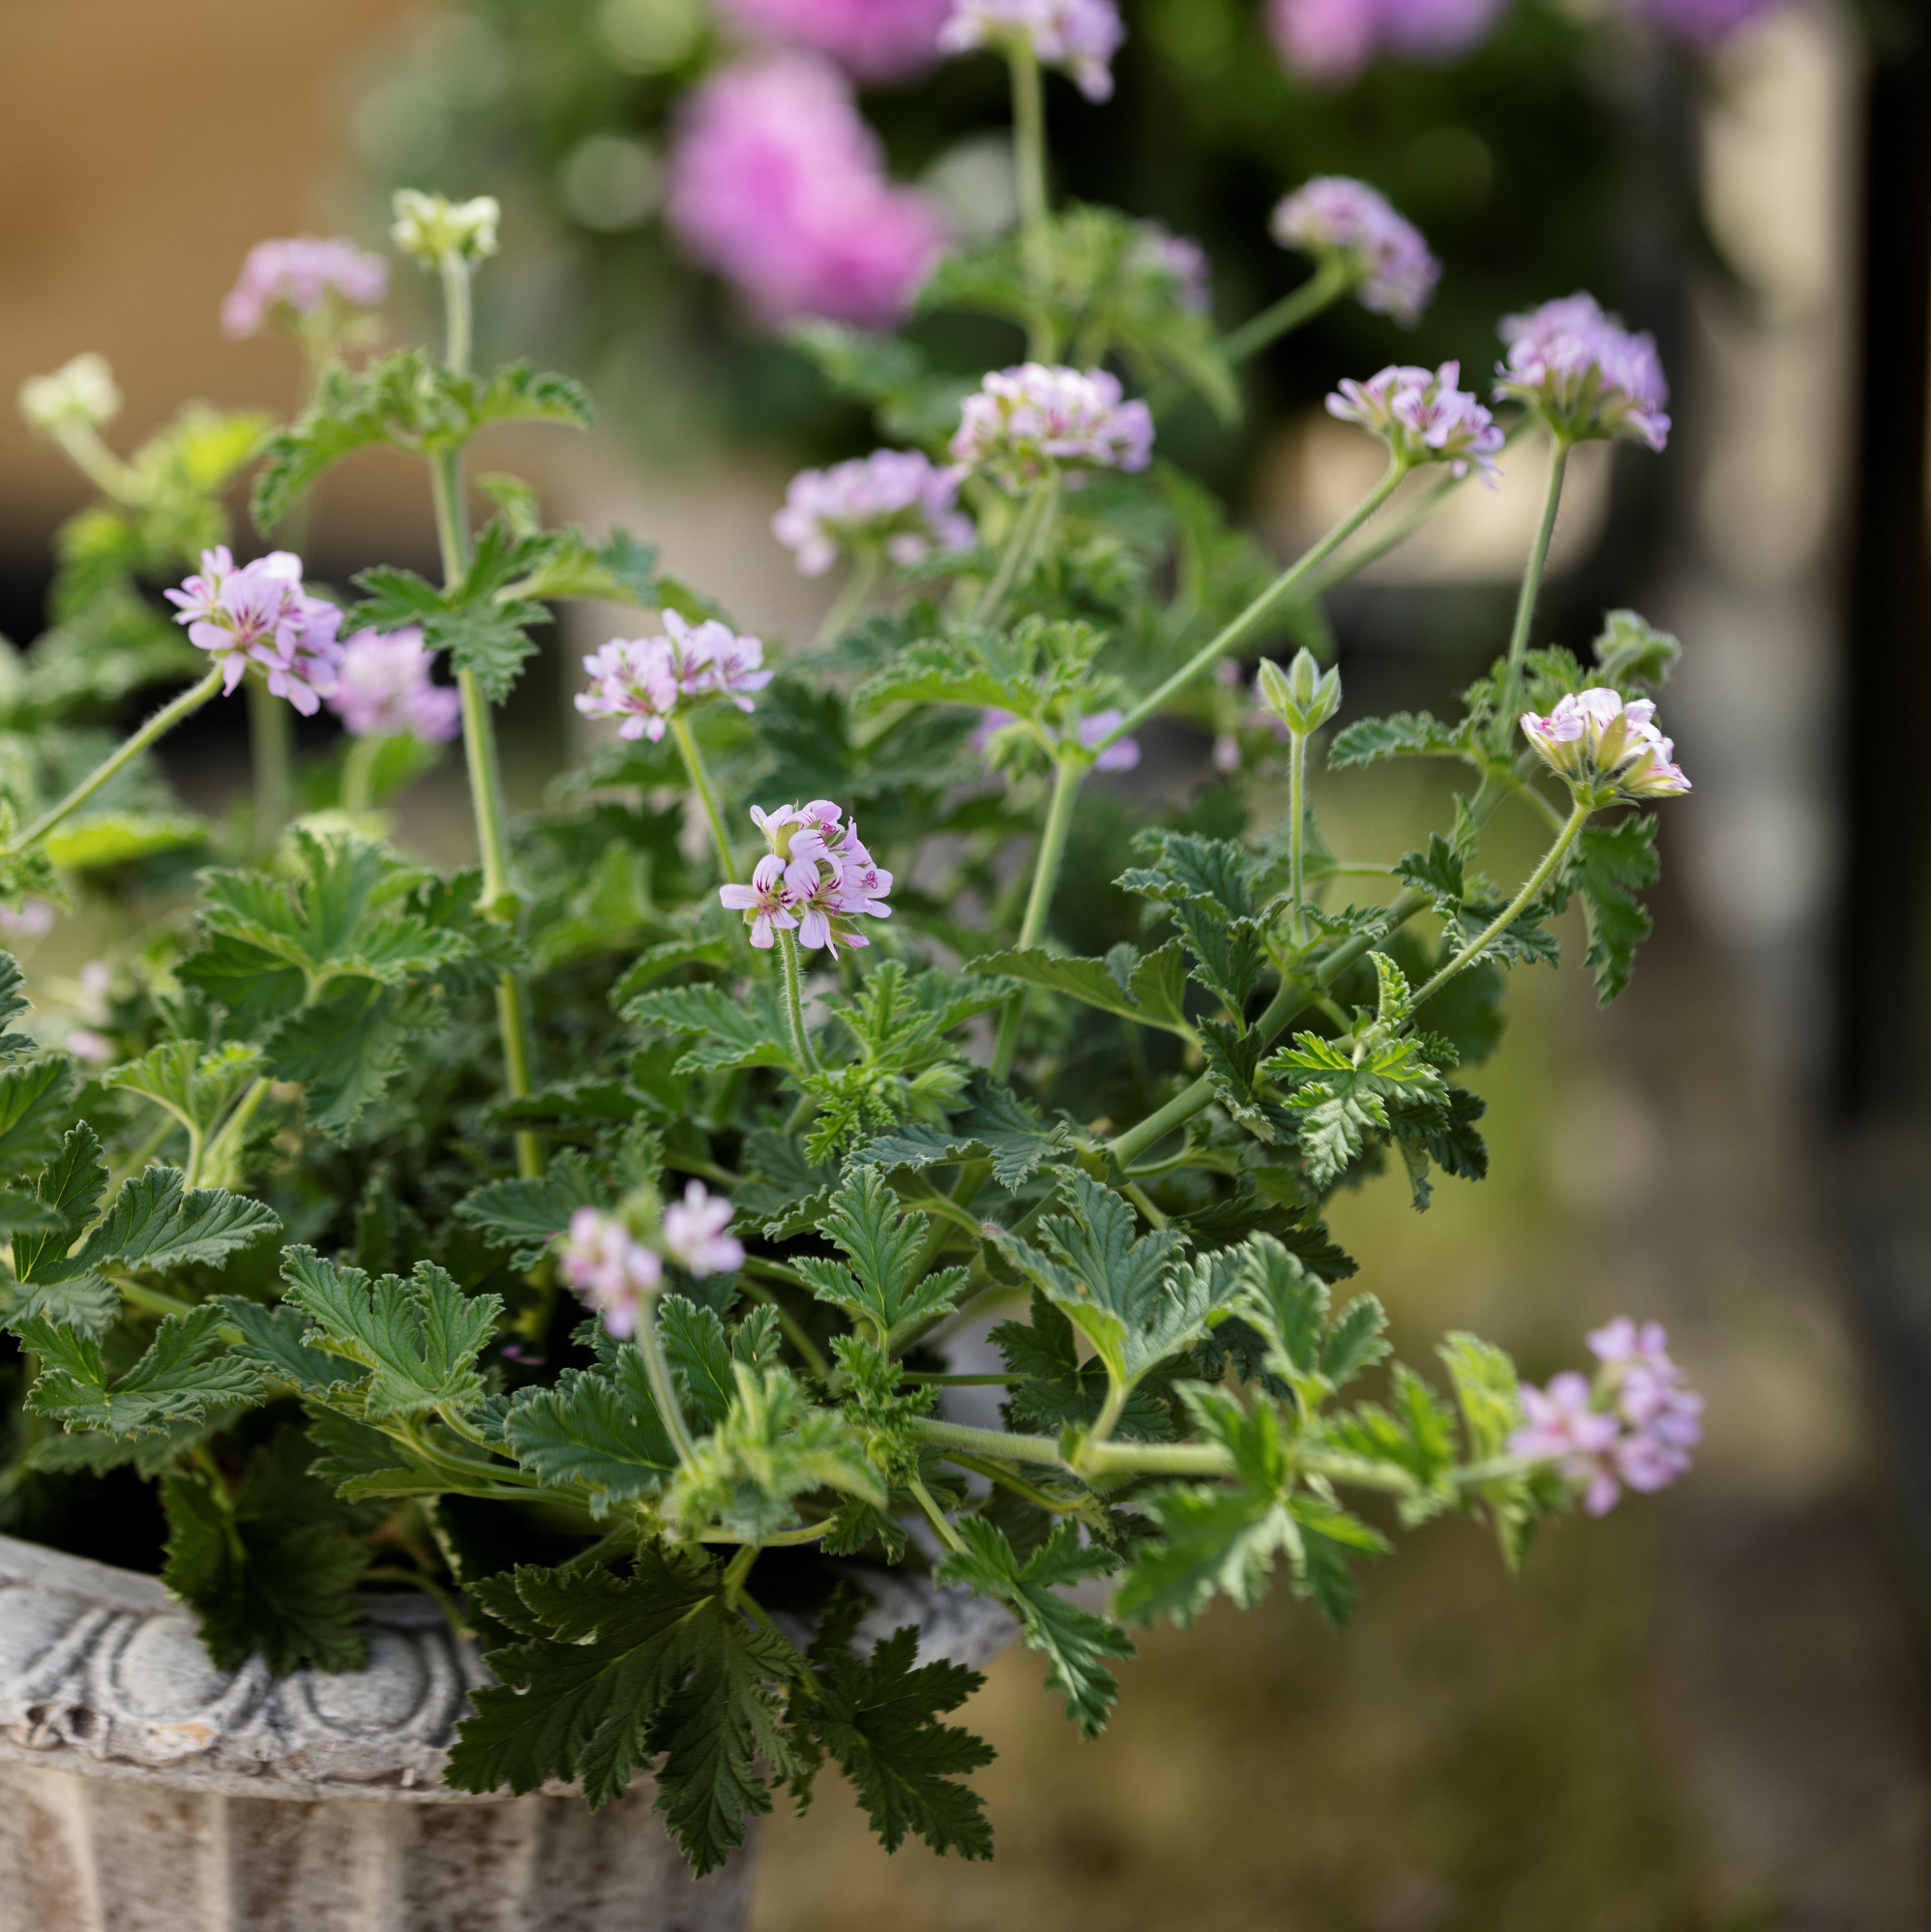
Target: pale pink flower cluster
column 1332, row 41
column 299, row 276
column 1335, row 217
column 616, row 1273
column 259, row 614
column 1424, row 417
column 1021, row 421
column 384, row 689
column 643, row 680
column 696, row 1236
column 1635, row 1428
column 1078, row 37
column 1177, row 261
column 1585, row 372
column 874, row 40
column 817, row 878
column 777, row 184
column 1597, row 737
column 1121, row 755
column 610, row 1268
column 898, row 502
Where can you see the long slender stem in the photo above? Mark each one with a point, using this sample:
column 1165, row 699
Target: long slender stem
column 658, row 1372
column 1532, row 586
column 700, row 783
column 1326, row 286
column 271, row 745
column 456, row 308
column 499, row 899
column 1513, row 910
column 852, row 599
column 1034, row 211
column 935, row 1516
column 158, row 725
column 1023, row 543
column 1073, row 767
column 1262, row 606
column 358, row 770
column 1297, row 831
column 794, row 1006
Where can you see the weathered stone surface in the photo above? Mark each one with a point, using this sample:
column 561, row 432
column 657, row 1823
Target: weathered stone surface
column 141, row 1790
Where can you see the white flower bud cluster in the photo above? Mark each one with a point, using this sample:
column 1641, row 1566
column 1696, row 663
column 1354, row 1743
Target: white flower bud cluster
column 1303, row 696
column 430, row 226
column 79, row 395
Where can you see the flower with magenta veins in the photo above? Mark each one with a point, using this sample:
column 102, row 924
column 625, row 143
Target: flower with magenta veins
column 642, row 680
column 1078, row 37
column 610, row 1268
column 1423, row 418
column 259, row 614
column 1385, row 256
column 1601, row 741
column 895, row 503
column 817, row 878
column 1585, row 374
column 1025, row 421
column 695, row 1237
column 301, row 281
column 384, row 689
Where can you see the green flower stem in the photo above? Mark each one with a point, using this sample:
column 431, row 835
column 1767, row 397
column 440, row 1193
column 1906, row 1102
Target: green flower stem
column 1057, row 1506
column 158, row 725
column 948, row 1535
column 737, row 1569
column 1325, row 286
column 457, row 308
column 700, row 784
column 97, row 462
column 1027, row 537
column 223, row 1160
column 1512, row 911
column 152, row 1300
column 795, row 1330
column 852, row 599
column 499, row 899
column 662, row 1388
column 1262, row 606
column 270, row 742
column 1532, row 586
column 1035, row 219
column 1297, row 831
column 1074, row 763
column 358, row 772
column 778, row 1540
column 794, row 1006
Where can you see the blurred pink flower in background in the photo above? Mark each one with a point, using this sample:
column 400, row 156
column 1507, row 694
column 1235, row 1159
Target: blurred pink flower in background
column 1702, row 22
column 1334, row 39
column 298, row 275
column 779, row 186
column 874, row 40
column 384, row 689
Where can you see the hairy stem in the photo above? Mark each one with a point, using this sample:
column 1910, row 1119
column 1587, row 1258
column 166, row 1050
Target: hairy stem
column 852, row 599
column 1297, row 832
column 651, row 1347
column 1073, row 766
column 271, row 743
column 1326, row 286
column 1513, row 910
column 1532, row 587
column 1024, row 541
column 1262, row 606
column 158, row 725
column 358, row 770
column 794, row 1005
column 935, row 1516
column 1035, row 212
column 700, row 783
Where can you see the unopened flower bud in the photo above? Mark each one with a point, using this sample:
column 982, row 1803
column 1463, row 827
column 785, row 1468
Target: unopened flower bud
column 81, row 394
column 430, row 226
column 1303, row 696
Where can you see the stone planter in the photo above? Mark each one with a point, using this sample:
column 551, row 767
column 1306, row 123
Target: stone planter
column 143, row 1791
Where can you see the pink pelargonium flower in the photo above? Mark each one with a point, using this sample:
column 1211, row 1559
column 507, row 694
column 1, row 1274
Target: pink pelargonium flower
column 1586, row 373
column 1565, row 1426
column 694, row 1233
column 610, row 1268
column 895, row 503
column 1023, row 420
column 385, row 690
column 1332, row 41
column 642, row 680
column 303, row 277
column 1078, row 37
column 259, row 614
column 1121, row 755
column 817, row 878
column 1598, row 738
column 871, row 40
column 1423, row 417
column 1333, row 217
column 777, row 184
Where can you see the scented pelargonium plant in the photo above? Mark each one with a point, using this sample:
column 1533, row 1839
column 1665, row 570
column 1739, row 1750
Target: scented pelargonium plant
column 590, row 1238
